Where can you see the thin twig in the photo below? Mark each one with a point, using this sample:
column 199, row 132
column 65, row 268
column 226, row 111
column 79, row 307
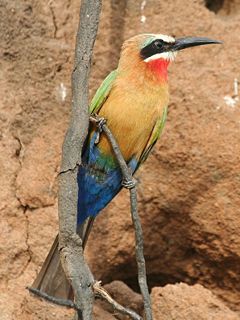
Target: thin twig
column 60, row 302
column 130, row 183
column 99, row 291
column 70, row 244
column 103, row 294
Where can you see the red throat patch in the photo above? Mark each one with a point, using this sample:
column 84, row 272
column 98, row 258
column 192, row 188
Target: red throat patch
column 159, row 67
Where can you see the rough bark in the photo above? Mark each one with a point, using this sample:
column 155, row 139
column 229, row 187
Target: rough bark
column 70, row 244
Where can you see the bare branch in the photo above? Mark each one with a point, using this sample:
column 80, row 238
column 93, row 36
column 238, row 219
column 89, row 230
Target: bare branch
column 130, row 183
column 99, row 291
column 53, row 300
column 70, row 244
column 103, row 294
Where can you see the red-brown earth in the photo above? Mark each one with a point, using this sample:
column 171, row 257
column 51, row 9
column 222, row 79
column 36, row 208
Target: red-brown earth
column 189, row 196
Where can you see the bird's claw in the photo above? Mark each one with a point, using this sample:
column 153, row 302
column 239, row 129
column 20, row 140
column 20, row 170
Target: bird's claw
column 100, row 123
column 97, row 137
column 129, row 184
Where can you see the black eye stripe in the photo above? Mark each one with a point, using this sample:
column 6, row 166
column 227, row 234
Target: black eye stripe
column 156, row 46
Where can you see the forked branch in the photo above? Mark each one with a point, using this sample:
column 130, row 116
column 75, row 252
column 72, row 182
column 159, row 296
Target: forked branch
column 70, row 244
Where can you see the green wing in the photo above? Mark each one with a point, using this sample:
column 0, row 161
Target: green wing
column 102, row 93
column 156, row 132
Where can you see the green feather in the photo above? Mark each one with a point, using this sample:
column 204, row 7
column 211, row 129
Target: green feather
column 102, row 92
column 97, row 102
column 156, row 132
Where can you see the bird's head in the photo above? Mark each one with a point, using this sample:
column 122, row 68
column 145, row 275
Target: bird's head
column 154, row 52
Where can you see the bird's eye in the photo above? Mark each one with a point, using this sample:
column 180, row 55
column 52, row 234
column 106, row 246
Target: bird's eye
column 158, row 44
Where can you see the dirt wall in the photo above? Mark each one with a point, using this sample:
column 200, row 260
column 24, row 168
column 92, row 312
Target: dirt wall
column 189, row 187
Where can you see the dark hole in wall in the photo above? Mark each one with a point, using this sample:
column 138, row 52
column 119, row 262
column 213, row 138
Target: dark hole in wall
column 214, row 5
column 154, row 280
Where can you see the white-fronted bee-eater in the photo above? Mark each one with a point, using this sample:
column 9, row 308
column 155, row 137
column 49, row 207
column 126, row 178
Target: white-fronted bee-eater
column 133, row 99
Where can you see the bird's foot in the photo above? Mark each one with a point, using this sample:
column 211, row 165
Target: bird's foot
column 100, row 123
column 129, row 184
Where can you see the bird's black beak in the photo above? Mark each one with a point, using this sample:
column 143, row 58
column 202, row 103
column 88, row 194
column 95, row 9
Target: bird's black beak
column 187, row 42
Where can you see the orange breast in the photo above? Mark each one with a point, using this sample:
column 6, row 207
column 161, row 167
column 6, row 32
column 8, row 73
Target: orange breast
column 131, row 112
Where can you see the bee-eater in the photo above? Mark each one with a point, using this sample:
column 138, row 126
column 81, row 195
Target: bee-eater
column 133, row 99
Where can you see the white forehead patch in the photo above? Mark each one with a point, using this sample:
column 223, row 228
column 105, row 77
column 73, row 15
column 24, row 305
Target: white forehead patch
column 165, row 38
column 170, row 55
column 150, row 37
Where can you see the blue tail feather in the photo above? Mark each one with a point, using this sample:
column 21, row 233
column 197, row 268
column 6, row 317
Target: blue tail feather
column 97, row 182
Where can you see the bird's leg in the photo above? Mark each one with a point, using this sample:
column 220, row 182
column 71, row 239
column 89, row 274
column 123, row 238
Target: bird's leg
column 100, row 122
column 129, row 184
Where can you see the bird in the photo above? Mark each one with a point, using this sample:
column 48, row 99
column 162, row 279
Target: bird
column 133, row 99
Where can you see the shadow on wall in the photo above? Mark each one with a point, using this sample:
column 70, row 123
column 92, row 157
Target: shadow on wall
column 223, row 7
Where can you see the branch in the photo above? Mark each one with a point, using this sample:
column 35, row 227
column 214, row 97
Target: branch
column 103, row 294
column 99, row 291
column 70, row 244
column 130, row 183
